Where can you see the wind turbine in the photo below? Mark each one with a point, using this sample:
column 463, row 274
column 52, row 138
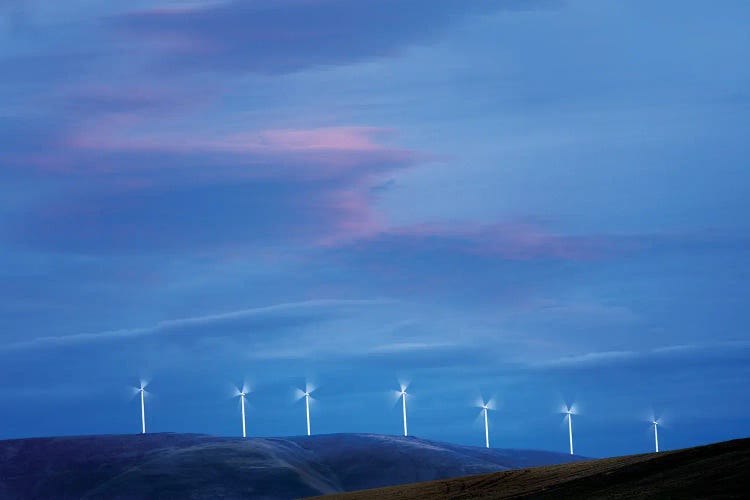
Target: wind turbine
column 402, row 394
column 485, row 406
column 142, row 390
column 309, row 388
column 241, row 393
column 569, row 412
column 655, row 422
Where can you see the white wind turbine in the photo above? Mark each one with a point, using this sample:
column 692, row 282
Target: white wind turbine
column 401, row 394
column 569, row 411
column 309, row 388
column 655, row 422
column 242, row 393
column 486, row 406
column 142, row 391
column 656, row 434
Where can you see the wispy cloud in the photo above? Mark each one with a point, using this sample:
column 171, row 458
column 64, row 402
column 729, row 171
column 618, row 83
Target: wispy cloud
column 507, row 241
column 514, row 241
column 245, row 322
column 683, row 352
column 317, row 153
column 400, row 347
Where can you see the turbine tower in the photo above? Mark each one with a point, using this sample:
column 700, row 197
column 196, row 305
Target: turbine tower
column 306, row 394
column 486, row 406
column 402, row 393
column 569, row 412
column 242, row 393
column 307, row 410
column 656, row 434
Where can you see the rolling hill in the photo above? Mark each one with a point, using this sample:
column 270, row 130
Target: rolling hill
column 717, row 471
column 198, row 466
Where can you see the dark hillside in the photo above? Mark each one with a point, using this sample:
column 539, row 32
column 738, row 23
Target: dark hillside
column 716, row 471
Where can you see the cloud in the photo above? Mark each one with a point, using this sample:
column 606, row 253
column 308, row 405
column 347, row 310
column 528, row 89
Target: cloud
column 509, row 263
column 327, row 152
column 512, row 241
column 142, row 193
column 434, row 243
column 146, row 219
column 279, row 36
column 587, row 360
column 310, row 331
column 256, row 322
column 404, row 347
column 685, row 354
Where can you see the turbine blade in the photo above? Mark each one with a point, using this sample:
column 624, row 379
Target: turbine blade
column 298, row 394
column 403, row 384
column 237, row 390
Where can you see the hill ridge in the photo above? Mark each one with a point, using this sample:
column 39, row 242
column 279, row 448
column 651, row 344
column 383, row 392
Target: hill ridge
column 173, row 465
column 718, row 470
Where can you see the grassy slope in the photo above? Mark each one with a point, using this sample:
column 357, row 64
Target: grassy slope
column 720, row 470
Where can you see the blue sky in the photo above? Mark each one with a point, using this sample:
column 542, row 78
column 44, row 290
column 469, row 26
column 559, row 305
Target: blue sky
column 535, row 200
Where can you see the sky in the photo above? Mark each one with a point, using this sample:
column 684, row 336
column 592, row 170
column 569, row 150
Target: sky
column 538, row 201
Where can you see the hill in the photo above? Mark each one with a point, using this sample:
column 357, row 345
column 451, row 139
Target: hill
column 715, row 471
column 197, row 466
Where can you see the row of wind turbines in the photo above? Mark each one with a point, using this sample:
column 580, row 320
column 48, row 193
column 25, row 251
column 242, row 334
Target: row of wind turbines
column 305, row 394
column 568, row 411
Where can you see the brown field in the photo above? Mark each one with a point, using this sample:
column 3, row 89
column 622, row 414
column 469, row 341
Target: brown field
column 715, row 471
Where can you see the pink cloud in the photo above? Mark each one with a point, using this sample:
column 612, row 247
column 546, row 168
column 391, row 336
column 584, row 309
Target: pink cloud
column 330, row 139
column 512, row 241
column 319, row 152
column 260, row 141
column 356, row 218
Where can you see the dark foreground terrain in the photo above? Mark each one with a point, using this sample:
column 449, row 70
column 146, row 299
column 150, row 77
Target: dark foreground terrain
column 188, row 466
column 716, row 471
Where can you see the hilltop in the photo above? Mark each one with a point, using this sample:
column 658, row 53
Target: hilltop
column 199, row 466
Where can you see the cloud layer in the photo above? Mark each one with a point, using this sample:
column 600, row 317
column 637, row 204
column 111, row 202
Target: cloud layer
column 276, row 37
